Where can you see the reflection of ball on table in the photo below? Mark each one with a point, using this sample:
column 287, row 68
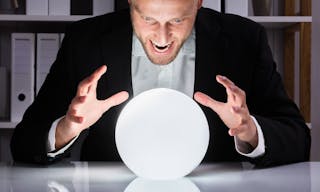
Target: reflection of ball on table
column 162, row 134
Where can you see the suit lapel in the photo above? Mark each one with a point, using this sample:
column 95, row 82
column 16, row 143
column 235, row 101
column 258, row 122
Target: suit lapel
column 209, row 56
column 116, row 45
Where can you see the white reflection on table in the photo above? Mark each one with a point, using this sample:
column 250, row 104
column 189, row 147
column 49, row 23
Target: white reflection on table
column 178, row 185
column 115, row 177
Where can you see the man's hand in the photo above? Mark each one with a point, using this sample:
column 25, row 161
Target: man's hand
column 234, row 113
column 85, row 109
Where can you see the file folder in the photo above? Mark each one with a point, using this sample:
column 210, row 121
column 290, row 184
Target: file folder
column 37, row 7
column 61, row 38
column 47, row 49
column 238, row 7
column 101, row 7
column 212, row 4
column 59, row 7
column 81, row 7
column 22, row 73
column 4, row 93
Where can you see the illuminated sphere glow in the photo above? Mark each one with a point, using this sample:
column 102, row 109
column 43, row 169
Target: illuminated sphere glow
column 162, row 134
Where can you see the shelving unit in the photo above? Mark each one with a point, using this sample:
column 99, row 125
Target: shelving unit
column 304, row 28
column 44, row 18
column 267, row 21
column 8, row 125
column 290, row 24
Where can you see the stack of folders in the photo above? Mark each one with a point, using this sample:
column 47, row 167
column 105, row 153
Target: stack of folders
column 31, row 56
column 69, row 7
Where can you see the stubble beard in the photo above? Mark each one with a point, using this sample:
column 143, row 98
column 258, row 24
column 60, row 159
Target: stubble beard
column 159, row 59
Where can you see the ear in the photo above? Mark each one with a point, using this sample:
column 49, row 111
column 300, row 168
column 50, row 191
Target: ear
column 199, row 3
column 129, row 1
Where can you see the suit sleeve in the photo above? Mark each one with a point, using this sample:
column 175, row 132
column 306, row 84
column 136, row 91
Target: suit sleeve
column 287, row 138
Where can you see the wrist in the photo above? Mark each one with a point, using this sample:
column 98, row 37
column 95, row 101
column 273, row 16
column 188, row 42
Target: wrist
column 64, row 133
column 254, row 138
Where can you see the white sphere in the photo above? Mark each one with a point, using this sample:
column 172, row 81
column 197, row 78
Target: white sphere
column 162, row 134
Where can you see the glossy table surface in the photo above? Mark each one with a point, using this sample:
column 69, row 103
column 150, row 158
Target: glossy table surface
column 107, row 177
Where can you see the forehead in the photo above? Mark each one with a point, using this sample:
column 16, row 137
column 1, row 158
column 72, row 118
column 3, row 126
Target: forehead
column 164, row 7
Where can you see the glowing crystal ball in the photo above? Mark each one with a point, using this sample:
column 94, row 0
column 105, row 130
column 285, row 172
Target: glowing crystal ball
column 162, row 134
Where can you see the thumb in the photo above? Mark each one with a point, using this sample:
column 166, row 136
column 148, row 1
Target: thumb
column 207, row 101
column 115, row 99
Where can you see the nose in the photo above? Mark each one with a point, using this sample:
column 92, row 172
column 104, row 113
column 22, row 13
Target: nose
column 163, row 35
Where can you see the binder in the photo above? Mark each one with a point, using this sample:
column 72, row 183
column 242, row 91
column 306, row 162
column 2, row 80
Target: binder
column 238, row 7
column 4, row 93
column 102, row 6
column 22, row 73
column 81, row 7
column 61, row 38
column 47, row 49
column 37, row 7
column 59, row 7
column 212, row 4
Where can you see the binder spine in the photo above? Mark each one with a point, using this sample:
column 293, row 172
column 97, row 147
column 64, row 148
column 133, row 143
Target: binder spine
column 47, row 49
column 59, row 7
column 102, row 6
column 212, row 4
column 22, row 74
column 37, row 7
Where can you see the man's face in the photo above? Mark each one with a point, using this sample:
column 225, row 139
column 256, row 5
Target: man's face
column 162, row 26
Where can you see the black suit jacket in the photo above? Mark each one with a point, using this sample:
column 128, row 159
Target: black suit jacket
column 225, row 44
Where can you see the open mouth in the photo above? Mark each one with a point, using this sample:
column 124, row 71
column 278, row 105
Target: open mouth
column 161, row 48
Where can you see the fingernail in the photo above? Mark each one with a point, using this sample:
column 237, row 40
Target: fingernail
column 222, row 77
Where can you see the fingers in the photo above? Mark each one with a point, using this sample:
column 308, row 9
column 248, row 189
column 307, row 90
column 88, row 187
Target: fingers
column 90, row 83
column 234, row 92
column 115, row 99
column 207, row 101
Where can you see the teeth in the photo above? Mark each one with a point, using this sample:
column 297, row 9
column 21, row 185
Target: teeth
column 161, row 48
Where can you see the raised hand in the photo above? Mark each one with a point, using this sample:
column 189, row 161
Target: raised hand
column 85, row 109
column 234, row 113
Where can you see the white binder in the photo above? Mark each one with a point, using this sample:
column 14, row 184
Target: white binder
column 61, row 38
column 239, row 7
column 47, row 49
column 59, row 7
column 102, row 6
column 37, row 7
column 22, row 73
column 212, row 4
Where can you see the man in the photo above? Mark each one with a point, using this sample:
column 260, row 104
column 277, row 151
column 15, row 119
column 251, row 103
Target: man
column 223, row 61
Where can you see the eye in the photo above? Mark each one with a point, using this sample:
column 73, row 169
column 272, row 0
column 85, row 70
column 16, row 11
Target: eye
column 149, row 20
column 177, row 21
